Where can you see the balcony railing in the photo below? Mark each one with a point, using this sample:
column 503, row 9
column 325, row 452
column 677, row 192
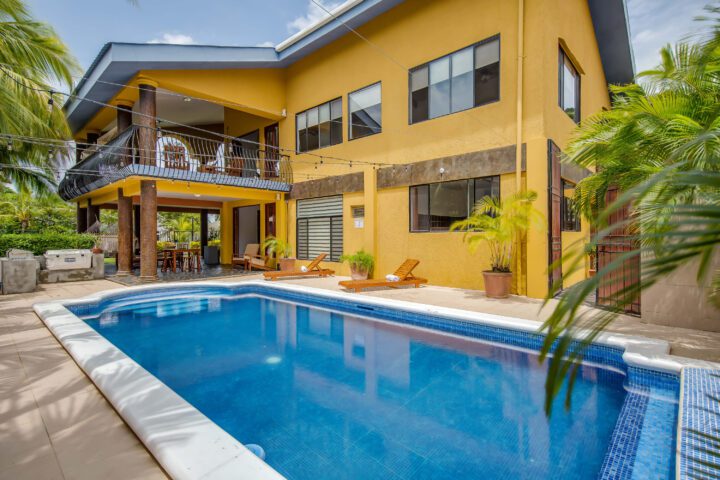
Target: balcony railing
column 182, row 157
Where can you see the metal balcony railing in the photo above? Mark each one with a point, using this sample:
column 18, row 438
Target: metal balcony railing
column 178, row 156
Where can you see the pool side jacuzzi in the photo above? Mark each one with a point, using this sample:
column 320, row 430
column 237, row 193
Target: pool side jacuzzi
column 334, row 385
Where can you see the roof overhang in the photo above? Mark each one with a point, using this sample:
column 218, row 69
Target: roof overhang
column 612, row 31
column 118, row 63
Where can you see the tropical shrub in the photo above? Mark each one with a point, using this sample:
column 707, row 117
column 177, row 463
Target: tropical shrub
column 360, row 261
column 214, row 243
column 39, row 243
column 278, row 246
column 498, row 223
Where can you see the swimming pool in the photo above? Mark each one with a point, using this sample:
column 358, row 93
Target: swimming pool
column 339, row 386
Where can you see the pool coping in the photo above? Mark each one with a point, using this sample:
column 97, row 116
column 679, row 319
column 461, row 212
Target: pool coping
column 188, row 445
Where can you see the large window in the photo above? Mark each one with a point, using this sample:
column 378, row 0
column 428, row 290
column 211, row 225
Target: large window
column 465, row 79
column 435, row 206
column 319, row 126
column 568, row 87
column 365, row 108
column 568, row 214
column 320, row 228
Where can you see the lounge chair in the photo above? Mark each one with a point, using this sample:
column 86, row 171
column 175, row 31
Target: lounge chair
column 252, row 250
column 259, row 263
column 404, row 274
column 313, row 269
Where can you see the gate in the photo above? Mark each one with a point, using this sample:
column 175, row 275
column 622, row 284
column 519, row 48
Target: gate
column 613, row 246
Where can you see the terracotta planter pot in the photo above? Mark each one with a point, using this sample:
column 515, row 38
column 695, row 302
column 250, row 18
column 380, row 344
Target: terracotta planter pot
column 497, row 284
column 358, row 274
column 287, row 264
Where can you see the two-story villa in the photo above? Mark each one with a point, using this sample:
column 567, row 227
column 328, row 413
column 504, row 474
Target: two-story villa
column 375, row 128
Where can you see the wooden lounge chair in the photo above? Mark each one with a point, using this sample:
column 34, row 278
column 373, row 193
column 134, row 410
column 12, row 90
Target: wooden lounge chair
column 252, row 250
column 313, row 269
column 259, row 263
column 404, row 273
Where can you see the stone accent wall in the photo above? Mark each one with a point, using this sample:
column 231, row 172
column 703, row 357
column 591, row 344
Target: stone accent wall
column 326, row 187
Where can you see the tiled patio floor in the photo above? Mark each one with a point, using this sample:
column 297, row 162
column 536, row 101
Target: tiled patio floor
column 54, row 423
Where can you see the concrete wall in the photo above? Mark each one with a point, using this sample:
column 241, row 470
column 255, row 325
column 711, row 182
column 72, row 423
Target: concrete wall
column 679, row 301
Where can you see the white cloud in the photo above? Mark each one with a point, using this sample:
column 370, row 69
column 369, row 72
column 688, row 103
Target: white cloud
column 265, row 44
column 313, row 14
column 175, row 38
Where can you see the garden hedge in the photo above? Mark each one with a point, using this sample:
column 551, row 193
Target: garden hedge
column 39, row 243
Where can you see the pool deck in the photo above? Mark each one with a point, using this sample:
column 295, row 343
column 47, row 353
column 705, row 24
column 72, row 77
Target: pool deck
column 54, row 423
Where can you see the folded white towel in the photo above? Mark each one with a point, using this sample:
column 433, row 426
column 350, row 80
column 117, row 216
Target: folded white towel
column 392, row 278
column 303, row 268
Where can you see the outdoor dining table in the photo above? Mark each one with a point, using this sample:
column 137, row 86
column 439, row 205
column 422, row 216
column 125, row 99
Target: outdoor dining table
column 171, row 254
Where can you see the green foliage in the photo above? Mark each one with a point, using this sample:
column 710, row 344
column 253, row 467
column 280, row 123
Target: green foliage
column 360, row 261
column 22, row 212
column 214, row 243
column 498, row 223
column 182, row 225
column 278, row 246
column 32, row 58
column 160, row 246
column 39, row 243
column 660, row 145
column 194, row 244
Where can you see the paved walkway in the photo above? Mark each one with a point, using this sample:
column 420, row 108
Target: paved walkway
column 54, row 423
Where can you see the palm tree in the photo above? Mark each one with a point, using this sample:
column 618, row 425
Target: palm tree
column 660, row 146
column 32, row 58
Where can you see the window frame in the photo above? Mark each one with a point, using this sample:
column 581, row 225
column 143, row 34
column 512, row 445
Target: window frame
column 331, row 219
column 349, row 113
column 297, row 133
column 568, row 225
column 562, row 56
column 449, row 57
column 471, row 203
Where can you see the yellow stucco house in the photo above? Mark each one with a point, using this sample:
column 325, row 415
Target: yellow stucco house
column 375, row 128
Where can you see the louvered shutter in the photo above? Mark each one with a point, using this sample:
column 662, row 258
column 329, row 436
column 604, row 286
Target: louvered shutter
column 319, row 227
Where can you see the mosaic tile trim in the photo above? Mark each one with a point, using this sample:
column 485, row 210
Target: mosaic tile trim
column 620, row 456
column 700, row 418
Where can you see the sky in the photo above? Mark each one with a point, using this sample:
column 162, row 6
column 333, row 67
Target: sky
column 86, row 25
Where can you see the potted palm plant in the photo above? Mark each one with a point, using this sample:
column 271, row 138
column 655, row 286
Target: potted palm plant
column 498, row 223
column 361, row 264
column 282, row 251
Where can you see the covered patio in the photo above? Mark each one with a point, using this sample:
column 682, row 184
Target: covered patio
column 143, row 165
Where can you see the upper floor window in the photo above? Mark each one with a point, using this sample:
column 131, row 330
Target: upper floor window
column 465, row 79
column 568, row 87
column 319, row 126
column 435, row 206
column 365, row 111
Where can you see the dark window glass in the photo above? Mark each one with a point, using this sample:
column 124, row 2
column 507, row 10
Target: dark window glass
column 419, row 209
column 570, row 218
column 436, row 206
column 448, row 203
column 319, row 126
column 487, row 187
column 487, row 72
column 465, row 79
column 569, row 87
column 313, row 129
column 419, row 94
column 365, row 111
column 324, row 113
column 301, row 126
column 336, row 118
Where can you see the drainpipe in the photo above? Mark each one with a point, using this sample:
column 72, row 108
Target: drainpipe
column 521, row 290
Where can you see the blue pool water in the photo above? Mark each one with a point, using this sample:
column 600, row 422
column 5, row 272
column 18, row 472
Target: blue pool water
column 331, row 395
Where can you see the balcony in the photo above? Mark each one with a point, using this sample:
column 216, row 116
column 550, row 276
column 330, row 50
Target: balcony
column 181, row 157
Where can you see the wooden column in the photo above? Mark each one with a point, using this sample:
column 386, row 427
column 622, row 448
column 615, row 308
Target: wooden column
column 125, row 234
column 203, row 229
column 81, row 219
column 124, row 115
column 148, row 190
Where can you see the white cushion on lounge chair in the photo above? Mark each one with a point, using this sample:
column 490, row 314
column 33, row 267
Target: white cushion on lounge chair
column 392, row 278
column 303, row 269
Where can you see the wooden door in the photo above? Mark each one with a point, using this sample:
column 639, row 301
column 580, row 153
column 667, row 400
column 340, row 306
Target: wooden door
column 554, row 219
